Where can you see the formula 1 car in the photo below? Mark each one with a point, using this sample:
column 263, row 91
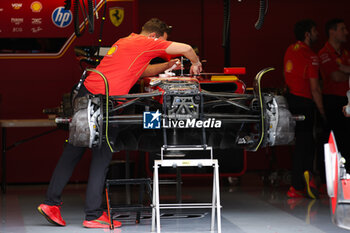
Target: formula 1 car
column 338, row 184
column 181, row 110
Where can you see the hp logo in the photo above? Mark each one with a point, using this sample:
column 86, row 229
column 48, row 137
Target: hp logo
column 61, row 17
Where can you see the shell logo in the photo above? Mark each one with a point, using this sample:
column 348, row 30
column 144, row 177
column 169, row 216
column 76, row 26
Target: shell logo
column 339, row 61
column 296, row 47
column 36, row 6
column 289, row 66
column 111, row 51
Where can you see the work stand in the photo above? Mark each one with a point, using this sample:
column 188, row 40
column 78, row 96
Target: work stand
column 144, row 184
column 178, row 163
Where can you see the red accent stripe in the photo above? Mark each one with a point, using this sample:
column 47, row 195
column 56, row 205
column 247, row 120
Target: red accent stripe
column 234, row 70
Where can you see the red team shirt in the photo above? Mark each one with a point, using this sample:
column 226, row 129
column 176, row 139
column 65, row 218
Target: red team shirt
column 300, row 65
column 124, row 63
column 330, row 61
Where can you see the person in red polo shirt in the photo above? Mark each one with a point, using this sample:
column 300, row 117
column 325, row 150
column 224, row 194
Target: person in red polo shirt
column 335, row 71
column 301, row 66
column 126, row 61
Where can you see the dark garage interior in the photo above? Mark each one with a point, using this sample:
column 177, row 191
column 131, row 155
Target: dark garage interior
column 41, row 60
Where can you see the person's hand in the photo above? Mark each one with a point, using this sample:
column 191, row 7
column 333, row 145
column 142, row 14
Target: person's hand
column 344, row 111
column 344, row 68
column 173, row 62
column 196, row 68
column 324, row 118
column 324, row 123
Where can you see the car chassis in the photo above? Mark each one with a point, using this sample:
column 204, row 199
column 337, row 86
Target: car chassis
column 246, row 121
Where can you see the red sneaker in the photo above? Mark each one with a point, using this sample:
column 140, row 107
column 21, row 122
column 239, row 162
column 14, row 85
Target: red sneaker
column 101, row 222
column 293, row 193
column 311, row 187
column 52, row 214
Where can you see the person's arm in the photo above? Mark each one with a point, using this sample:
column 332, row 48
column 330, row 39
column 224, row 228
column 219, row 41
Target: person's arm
column 344, row 68
column 155, row 69
column 339, row 76
column 186, row 50
column 337, row 72
column 317, row 95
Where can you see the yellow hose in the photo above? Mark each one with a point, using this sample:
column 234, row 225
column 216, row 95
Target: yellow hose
column 107, row 94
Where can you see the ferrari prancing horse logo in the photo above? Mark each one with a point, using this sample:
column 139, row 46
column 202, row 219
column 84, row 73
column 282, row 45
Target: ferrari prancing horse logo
column 116, row 15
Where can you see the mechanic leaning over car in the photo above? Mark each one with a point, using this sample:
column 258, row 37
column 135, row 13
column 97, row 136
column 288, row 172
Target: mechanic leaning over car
column 126, row 61
column 301, row 72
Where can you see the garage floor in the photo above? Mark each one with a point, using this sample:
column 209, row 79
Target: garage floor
column 247, row 207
